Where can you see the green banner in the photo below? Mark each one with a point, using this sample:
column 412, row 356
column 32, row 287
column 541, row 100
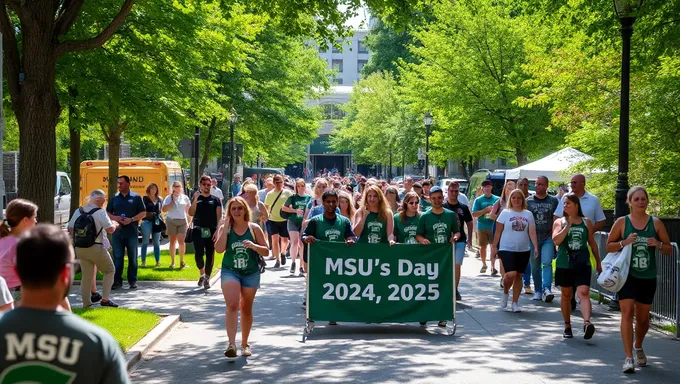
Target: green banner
column 375, row 283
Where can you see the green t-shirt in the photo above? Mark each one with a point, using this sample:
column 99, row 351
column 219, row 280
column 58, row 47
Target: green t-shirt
column 297, row 202
column 326, row 231
column 438, row 228
column 643, row 257
column 405, row 232
column 275, row 205
column 375, row 231
column 425, row 205
column 237, row 257
column 484, row 221
column 577, row 238
column 43, row 346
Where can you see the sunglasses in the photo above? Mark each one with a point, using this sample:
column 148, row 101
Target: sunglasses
column 236, row 208
column 412, row 203
column 207, row 185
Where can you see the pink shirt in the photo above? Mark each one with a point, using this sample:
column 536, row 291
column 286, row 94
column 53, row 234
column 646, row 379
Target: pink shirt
column 8, row 258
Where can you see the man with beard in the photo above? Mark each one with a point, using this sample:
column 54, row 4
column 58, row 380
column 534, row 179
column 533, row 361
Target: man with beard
column 42, row 343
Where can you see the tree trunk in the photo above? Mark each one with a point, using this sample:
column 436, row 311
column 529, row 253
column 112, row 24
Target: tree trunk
column 521, row 156
column 74, row 143
column 208, row 146
column 37, row 109
column 113, row 137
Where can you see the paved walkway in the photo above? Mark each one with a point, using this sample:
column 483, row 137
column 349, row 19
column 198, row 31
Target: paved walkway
column 490, row 346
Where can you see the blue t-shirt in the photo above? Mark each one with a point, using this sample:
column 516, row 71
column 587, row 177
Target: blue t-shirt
column 130, row 205
column 484, row 221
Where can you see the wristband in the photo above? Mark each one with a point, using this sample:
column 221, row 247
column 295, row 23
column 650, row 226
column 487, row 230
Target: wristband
column 621, row 244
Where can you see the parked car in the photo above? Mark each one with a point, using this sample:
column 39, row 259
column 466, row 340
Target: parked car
column 464, row 184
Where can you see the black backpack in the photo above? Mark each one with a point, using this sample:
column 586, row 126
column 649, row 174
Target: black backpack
column 85, row 230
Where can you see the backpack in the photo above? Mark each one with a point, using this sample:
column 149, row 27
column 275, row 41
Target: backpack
column 85, row 230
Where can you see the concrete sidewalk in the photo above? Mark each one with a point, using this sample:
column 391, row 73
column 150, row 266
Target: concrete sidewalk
column 490, row 346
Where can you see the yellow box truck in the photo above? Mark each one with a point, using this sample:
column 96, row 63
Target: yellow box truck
column 94, row 174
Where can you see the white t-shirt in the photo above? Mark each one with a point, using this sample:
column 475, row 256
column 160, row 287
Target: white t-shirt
column 177, row 210
column 590, row 205
column 5, row 294
column 515, row 236
column 217, row 193
column 101, row 220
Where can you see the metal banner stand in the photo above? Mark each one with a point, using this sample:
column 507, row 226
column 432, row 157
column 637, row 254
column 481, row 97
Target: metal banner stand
column 452, row 329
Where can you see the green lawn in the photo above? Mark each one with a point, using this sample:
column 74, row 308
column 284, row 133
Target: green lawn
column 163, row 273
column 127, row 326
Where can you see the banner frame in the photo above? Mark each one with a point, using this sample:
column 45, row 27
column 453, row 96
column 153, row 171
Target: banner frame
column 309, row 323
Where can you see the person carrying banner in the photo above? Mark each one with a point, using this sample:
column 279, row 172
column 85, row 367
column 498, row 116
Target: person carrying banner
column 373, row 221
column 464, row 218
column 438, row 225
column 406, row 220
column 329, row 226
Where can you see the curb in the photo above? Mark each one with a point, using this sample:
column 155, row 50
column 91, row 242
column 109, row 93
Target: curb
column 217, row 276
column 135, row 354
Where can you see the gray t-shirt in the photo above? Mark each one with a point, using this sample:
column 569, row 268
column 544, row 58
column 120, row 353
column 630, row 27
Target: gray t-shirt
column 542, row 210
column 101, row 220
column 43, row 346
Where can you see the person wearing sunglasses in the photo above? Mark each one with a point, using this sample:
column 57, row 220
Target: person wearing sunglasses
column 176, row 207
column 406, row 220
column 207, row 212
column 392, row 196
column 242, row 242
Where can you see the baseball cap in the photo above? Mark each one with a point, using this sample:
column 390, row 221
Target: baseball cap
column 486, row 182
column 436, row 189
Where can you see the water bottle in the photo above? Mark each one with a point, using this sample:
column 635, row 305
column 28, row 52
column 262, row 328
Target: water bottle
column 122, row 217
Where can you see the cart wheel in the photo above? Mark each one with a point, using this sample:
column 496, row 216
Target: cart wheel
column 452, row 330
column 304, row 334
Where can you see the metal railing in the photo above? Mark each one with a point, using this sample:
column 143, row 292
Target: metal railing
column 666, row 305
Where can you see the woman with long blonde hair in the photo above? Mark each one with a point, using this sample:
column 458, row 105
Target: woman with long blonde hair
column 496, row 210
column 241, row 241
column 374, row 222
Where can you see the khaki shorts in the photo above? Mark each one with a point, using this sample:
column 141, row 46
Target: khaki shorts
column 176, row 227
column 484, row 237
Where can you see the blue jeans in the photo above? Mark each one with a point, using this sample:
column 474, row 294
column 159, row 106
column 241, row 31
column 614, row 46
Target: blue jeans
column 541, row 268
column 121, row 243
column 147, row 228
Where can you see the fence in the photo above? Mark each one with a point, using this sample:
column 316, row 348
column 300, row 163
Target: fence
column 666, row 306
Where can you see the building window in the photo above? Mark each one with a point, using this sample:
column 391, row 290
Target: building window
column 337, row 65
column 332, row 112
column 360, row 65
column 337, row 81
column 335, row 48
column 362, row 47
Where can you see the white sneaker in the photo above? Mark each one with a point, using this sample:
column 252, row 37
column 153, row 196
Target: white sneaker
column 628, row 366
column 504, row 300
column 516, row 308
column 537, row 296
column 548, row 295
column 639, row 357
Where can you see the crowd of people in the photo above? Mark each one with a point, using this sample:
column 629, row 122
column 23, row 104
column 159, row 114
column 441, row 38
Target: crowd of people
column 524, row 231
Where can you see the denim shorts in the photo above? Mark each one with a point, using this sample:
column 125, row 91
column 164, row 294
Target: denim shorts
column 246, row 281
column 460, row 252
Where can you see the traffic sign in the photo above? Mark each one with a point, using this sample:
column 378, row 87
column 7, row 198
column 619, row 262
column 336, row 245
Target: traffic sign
column 421, row 153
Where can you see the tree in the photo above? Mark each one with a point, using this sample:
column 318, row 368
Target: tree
column 31, row 53
column 470, row 72
column 388, row 47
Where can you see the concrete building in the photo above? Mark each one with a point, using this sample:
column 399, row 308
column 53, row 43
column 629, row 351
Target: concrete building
column 348, row 60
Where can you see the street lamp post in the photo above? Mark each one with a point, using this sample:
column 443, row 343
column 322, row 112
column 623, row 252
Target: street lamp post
column 232, row 122
column 427, row 120
column 627, row 11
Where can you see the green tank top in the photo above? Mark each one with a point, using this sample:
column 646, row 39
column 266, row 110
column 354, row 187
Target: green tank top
column 237, row 257
column 405, row 232
column 375, row 231
column 643, row 257
column 576, row 239
column 327, row 231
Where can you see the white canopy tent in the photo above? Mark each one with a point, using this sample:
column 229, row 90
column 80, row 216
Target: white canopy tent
column 552, row 166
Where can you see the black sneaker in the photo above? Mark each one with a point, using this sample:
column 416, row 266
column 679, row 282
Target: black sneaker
column 201, row 280
column 458, row 297
column 442, row 323
column 292, row 268
column 117, row 286
column 278, row 264
column 302, row 271
column 283, row 259
column 588, row 330
column 206, row 283
column 133, row 286
column 332, row 323
column 108, row 303
column 567, row 333
column 95, row 297
column 423, row 323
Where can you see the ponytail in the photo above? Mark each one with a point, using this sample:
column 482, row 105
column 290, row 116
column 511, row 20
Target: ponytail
column 4, row 229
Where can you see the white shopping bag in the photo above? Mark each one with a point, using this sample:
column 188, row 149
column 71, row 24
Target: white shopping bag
column 615, row 269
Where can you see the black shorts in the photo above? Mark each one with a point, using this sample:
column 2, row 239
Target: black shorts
column 514, row 261
column 278, row 228
column 568, row 278
column 640, row 290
